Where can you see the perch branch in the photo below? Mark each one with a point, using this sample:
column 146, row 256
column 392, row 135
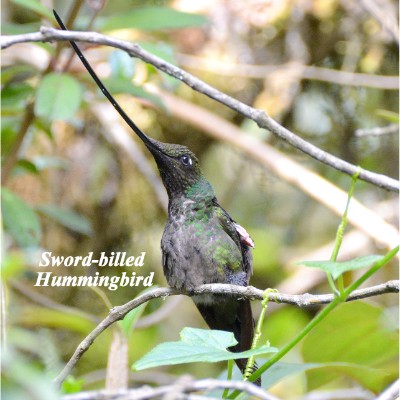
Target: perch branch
column 249, row 292
column 260, row 117
column 182, row 386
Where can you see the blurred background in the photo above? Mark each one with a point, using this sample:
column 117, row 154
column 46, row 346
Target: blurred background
column 76, row 180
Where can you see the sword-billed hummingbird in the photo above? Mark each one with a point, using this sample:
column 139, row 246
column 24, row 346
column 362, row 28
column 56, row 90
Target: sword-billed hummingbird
column 201, row 243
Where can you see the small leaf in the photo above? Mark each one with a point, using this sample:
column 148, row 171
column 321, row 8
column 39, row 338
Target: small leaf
column 337, row 268
column 35, row 6
column 196, row 345
column 153, row 18
column 115, row 85
column 26, row 165
column 72, row 385
column 20, row 221
column 15, row 95
column 122, row 65
column 68, row 218
column 389, row 115
column 130, row 319
column 58, row 97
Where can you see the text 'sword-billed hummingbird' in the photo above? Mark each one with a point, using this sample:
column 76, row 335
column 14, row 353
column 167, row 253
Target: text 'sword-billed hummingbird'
column 201, row 243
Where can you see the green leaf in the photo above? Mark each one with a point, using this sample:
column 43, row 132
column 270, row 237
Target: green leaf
column 9, row 28
column 72, row 385
column 35, row 6
column 16, row 72
column 58, row 97
column 122, row 65
column 153, row 18
column 130, row 319
column 167, row 53
column 389, row 115
column 20, row 221
column 196, row 345
column 68, row 218
column 353, row 333
column 16, row 95
column 25, row 165
column 337, row 268
column 116, row 85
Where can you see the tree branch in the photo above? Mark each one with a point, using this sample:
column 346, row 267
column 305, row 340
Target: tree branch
column 310, row 72
column 249, row 292
column 182, row 386
column 260, row 117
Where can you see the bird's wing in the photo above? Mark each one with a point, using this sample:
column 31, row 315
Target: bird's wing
column 239, row 235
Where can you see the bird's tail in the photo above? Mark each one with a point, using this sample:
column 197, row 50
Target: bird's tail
column 232, row 315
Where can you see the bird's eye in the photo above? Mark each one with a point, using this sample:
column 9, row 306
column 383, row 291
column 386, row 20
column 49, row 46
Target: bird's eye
column 186, row 160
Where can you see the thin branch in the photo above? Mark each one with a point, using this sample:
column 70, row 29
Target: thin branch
column 249, row 292
column 390, row 393
column 182, row 386
column 310, row 72
column 377, row 131
column 260, row 117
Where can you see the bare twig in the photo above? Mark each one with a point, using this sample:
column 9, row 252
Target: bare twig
column 310, row 72
column 259, row 116
column 180, row 387
column 390, row 393
column 378, row 130
column 250, row 292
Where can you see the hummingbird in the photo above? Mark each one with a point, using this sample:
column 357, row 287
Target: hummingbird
column 201, row 243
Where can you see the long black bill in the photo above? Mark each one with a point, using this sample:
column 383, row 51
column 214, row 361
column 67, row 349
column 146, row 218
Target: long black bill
column 147, row 141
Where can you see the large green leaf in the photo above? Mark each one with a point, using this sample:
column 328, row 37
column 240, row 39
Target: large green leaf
column 336, row 268
column 20, row 221
column 153, row 18
column 353, row 333
column 68, row 218
column 58, row 97
column 196, row 345
column 35, row 6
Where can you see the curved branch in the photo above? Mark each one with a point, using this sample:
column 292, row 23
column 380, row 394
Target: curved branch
column 249, row 292
column 260, row 117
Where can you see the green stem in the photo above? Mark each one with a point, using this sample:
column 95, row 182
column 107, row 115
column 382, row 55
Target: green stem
column 341, row 229
column 258, row 332
column 318, row 318
column 229, row 377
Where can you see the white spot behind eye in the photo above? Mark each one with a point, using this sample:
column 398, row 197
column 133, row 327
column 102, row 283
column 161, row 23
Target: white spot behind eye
column 186, row 160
